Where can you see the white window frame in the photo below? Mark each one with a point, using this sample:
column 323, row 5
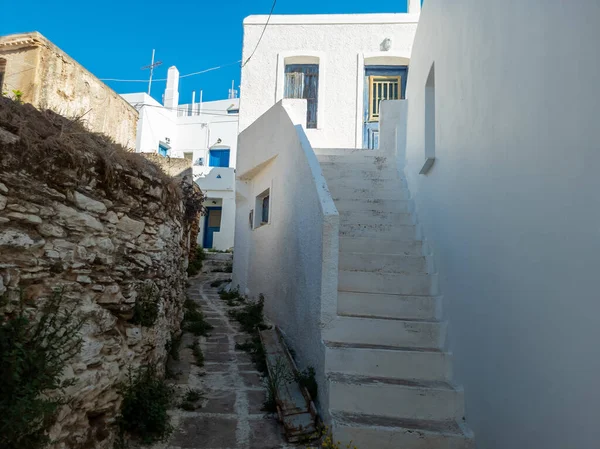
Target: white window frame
column 304, row 57
column 258, row 203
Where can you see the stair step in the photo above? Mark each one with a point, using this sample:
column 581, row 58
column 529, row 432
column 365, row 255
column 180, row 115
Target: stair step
column 366, row 191
column 363, row 157
column 387, row 263
column 385, row 362
column 372, row 217
column 398, row 398
column 360, row 165
column 379, row 246
column 343, row 152
column 399, row 333
column 388, row 231
column 374, row 205
column 381, row 282
column 369, row 431
column 388, row 306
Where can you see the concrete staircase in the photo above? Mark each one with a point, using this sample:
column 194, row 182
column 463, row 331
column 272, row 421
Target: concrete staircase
column 389, row 377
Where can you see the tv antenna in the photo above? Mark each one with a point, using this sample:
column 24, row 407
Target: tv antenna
column 151, row 67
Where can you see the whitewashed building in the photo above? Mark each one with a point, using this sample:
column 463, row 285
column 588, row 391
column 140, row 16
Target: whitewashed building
column 206, row 134
column 344, row 65
column 444, row 285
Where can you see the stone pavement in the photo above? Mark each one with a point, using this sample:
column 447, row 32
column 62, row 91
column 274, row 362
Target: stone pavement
column 232, row 390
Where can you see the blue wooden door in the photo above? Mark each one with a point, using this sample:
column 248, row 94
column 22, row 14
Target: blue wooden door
column 381, row 83
column 212, row 224
column 218, row 158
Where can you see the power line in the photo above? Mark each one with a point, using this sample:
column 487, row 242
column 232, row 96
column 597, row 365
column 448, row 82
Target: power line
column 181, row 76
column 261, row 34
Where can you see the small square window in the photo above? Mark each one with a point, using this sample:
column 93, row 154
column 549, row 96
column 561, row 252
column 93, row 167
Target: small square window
column 262, row 208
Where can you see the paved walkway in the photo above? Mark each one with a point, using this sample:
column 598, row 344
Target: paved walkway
column 229, row 414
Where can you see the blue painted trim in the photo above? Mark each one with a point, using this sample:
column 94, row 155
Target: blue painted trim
column 207, row 238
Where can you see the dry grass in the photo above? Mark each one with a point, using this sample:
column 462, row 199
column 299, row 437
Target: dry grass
column 64, row 154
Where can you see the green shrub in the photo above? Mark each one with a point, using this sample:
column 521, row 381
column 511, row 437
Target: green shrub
column 256, row 351
column 146, row 399
column 147, row 305
column 195, row 263
column 198, row 354
column 33, row 356
column 194, row 320
column 251, row 316
column 219, row 282
column 307, row 380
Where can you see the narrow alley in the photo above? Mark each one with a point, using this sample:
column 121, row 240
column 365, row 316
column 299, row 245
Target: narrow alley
column 228, row 413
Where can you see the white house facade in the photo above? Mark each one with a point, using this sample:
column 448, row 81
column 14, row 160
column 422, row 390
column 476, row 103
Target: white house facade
column 344, row 65
column 206, row 134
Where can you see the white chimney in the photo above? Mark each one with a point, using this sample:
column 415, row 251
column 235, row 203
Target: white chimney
column 171, row 97
column 414, row 6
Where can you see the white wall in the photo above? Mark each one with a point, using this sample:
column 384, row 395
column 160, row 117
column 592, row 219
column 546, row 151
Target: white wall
column 293, row 259
column 342, row 43
column 511, row 210
column 155, row 123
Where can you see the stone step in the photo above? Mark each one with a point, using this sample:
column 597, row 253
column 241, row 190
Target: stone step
column 387, row 263
column 375, row 183
column 363, row 164
column 382, row 361
column 374, row 205
column 381, row 282
column 387, row 332
column 355, row 159
column 388, row 231
column 368, row 431
column 358, row 173
column 367, row 192
column 388, row 306
column 372, row 217
column 396, row 398
column 379, row 246
column 344, row 152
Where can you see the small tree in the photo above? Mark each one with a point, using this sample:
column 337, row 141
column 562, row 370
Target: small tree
column 33, row 356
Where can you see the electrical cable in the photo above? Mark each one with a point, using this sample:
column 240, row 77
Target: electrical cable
column 261, row 34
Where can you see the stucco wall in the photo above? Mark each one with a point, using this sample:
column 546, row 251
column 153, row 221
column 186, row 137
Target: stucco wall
column 50, row 79
column 511, row 210
column 342, row 43
column 291, row 259
column 155, row 124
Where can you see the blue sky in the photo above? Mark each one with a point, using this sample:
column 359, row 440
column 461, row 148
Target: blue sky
column 113, row 39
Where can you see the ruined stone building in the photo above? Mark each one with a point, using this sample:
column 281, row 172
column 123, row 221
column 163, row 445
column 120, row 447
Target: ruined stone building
column 48, row 78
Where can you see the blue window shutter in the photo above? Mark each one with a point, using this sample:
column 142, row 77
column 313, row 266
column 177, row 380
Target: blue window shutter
column 218, row 158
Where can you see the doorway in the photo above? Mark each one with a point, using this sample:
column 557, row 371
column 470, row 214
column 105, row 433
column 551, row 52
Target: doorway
column 381, row 83
column 212, row 224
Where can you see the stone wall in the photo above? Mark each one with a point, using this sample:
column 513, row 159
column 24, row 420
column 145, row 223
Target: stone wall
column 103, row 229
column 51, row 79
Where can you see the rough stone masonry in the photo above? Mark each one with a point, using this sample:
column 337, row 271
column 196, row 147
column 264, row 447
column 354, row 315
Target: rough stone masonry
column 77, row 212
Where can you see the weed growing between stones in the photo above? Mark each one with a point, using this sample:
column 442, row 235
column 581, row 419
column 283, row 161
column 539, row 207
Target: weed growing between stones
column 147, row 305
column 226, row 269
column 190, row 400
column 146, row 399
column 252, row 320
column 307, row 380
column 251, row 316
column 198, row 354
column 233, row 297
column 195, row 263
column 327, row 441
column 33, row 356
column 278, row 376
column 194, row 320
column 219, row 282
column 255, row 349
